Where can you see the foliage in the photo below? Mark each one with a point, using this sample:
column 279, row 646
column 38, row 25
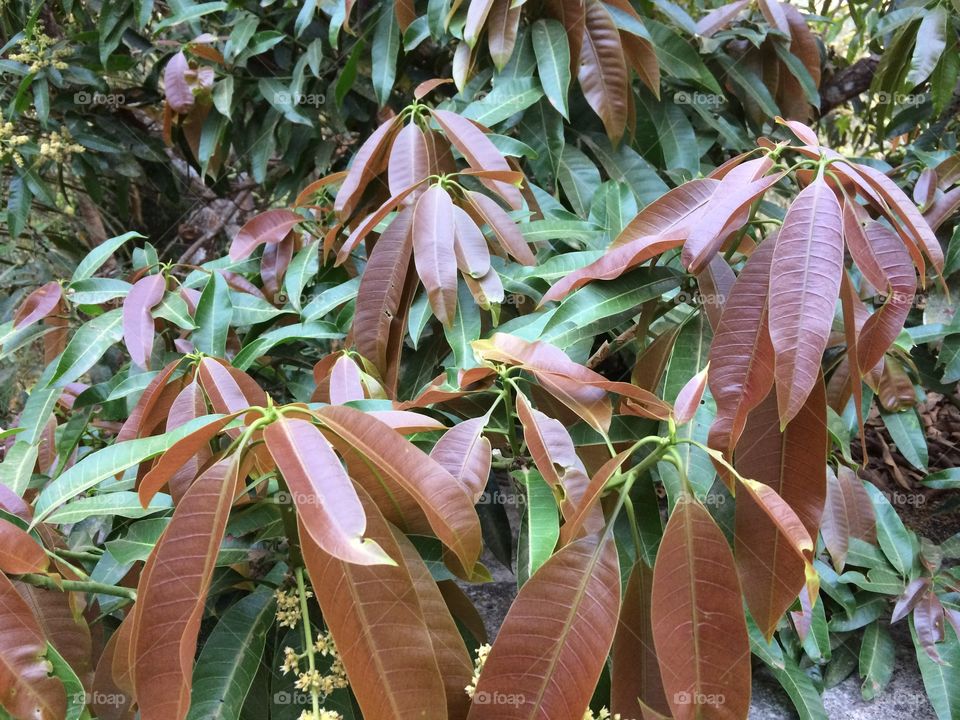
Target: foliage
column 654, row 307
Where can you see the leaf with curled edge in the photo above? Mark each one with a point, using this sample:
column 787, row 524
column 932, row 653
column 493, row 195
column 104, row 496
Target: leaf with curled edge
column 741, row 355
column 548, row 442
column 433, row 251
column 699, row 628
column 804, row 284
column 409, row 161
column 485, row 210
column 884, row 325
column 773, row 552
column 720, row 18
column 603, row 73
column 326, row 502
column 189, row 404
column 38, row 305
column 554, row 642
column 792, row 461
column 26, row 690
column 373, row 219
column 268, row 227
column 230, row 390
column 464, row 452
column 172, row 594
column 380, row 318
column 477, row 14
column 689, row 397
column 847, row 513
column 377, row 621
column 725, row 213
column 138, row 333
column 479, row 151
column 635, row 673
column 447, row 505
column 369, row 161
column 19, row 552
column 177, row 89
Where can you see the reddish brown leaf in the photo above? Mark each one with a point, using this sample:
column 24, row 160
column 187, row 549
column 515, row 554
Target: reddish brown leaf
column 230, row 390
column 688, row 399
column 38, row 304
column 372, row 220
column 268, row 227
column 409, row 161
column 741, row 355
column 635, row 673
column 177, row 89
column 470, row 246
column 699, row 629
column 464, row 452
column 445, row 502
column 554, row 641
column 189, row 404
column 603, row 70
column 326, row 502
column 720, row 18
column 345, row 381
column 152, row 407
column 19, row 552
column 172, row 594
column 804, row 284
column 26, row 691
column 60, row 615
column 369, row 162
column 377, row 621
column 847, row 513
column 478, row 150
column 928, row 621
column 502, row 24
column 433, row 253
column 803, row 44
column 477, row 13
column 548, row 442
column 145, row 294
column 486, row 211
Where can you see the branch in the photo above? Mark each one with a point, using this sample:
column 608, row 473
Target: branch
column 847, row 83
column 48, row 583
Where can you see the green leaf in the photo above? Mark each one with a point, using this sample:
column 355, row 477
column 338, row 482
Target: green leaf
column 941, row 681
column 250, row 310
column 506, row 99
column 76, row 694
column 122, row 504
column 800, row 72
column 464, row 329
column 553, row 61
column 189, row 13
column 751, row 84
column 302, row 270
column 895, row 541
column 579, row 178
column 87, row 346
column 541, row 523
column 675, row 137
column 906, row 431
column 876, row 660
column 948, row 479
column 138, row 542
column 99, row 255
column 105, row 463
column 174, row 309
column 931, row 42
column 330, row 299
column 679, row 59
column 300, row 331
column 383, row 53
column 230, row 658
column 94, row 291
column 36, row 413
column 17, row 466
column 803, row 693
column 213, row 316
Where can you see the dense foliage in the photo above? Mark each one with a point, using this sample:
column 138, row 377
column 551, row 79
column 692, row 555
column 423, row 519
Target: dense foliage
column 639, row 278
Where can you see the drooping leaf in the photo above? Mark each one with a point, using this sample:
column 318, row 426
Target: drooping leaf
column 19, row 552
column 269, row 227
column 38, row 304
column 145, row 294
column 603, row 70
column 433, row 251
column 553, row 61
column 465, row 454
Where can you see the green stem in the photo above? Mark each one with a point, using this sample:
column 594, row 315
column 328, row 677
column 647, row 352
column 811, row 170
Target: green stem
column 508, row 407
column 48, row 583
column 307, row 639
column 634, row 530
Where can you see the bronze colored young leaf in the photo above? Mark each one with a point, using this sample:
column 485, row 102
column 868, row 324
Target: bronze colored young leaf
column 502, row 24
column 486, row 211
column 172, row 594
column 465, row 454
column 699, row 629
column 26, row 690
column 720, row 18
column 446, row 503
column 603, row 70
column 269, row 227
column 19, row 552
column 230, row 390
column 773, row 550
column 635, row 673
column 433, row 253
column 380, row 319
column 470, row 246
column 554, row 641
column 345, row 381
column 153, row 406
column 38, row 304
column 741, row 355
column 804, row 285
column 369, row 162
column 688, row 399
column 847, row 513
column 409, row 160
column 327, row 505
column 477, row 13
column 145, row 294
column 377, row 621
column 548, row 442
